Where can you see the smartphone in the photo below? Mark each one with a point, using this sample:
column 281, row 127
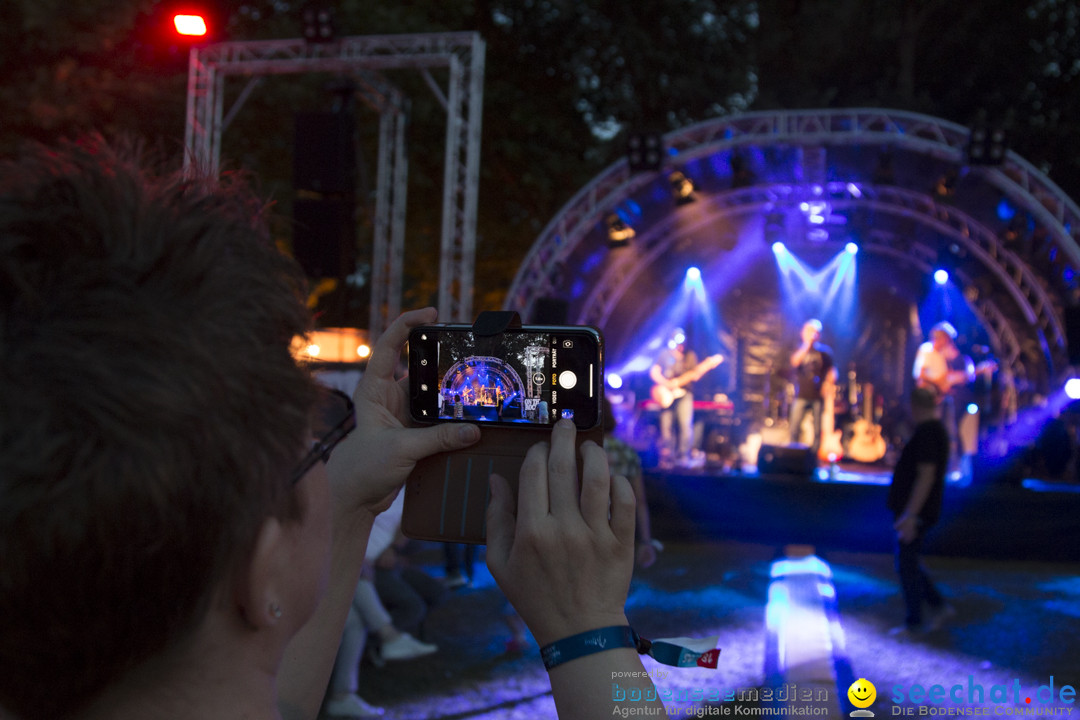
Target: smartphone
column 515, row 386
column 527, row 376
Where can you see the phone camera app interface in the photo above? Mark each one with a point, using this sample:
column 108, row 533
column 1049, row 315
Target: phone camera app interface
column 505, row 380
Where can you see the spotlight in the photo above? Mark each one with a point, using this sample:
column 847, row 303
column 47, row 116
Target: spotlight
column 693, row 274
column 851, row 248
column 778, row 247
column 941, row 276
column 972, row 409
column 618, row 232
column 1072, row 388
column 945, row 185
column 682, row 189
column 614, row 380
column 190, row 25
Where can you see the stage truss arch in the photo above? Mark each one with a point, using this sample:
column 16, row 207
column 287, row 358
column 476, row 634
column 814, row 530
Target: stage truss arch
column 1034, row 290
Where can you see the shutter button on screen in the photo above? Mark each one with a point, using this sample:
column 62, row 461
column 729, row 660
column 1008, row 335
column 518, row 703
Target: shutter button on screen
column 567, row 379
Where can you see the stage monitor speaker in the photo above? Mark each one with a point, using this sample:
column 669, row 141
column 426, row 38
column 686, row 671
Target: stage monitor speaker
column 791, row 460
column 324, row 154
column 1072, row 333
column 324, row 237
column 550, row 311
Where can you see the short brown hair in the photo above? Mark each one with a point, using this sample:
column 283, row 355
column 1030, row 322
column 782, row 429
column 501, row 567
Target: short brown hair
column 151, row 410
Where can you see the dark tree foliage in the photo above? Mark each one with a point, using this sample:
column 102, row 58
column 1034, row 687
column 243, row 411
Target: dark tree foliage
column 565, row 81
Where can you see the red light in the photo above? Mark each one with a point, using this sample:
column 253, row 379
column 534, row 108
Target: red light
column 190, row 25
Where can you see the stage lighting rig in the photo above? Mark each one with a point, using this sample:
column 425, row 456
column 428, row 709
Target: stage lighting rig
column 318, row 24
column 644, row 151
column 618, row 232
column 682, row 189
column 987, row 145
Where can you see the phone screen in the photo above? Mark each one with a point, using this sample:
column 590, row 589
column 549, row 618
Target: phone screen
column 532, row 375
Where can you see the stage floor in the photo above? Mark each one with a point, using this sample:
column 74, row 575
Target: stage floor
column 844, row 508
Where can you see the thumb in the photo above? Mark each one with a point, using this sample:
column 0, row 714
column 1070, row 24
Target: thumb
column 501, row 524
column 445, row 437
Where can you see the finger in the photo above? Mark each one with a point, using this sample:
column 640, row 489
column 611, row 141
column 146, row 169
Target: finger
column 562, row 471
column 418, row 443
column 387, row 349
column 533, row 502
column 595, row 486
column 623, row 510
column 501, row 525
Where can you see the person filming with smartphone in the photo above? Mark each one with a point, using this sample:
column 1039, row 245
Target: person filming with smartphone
column 162, row 449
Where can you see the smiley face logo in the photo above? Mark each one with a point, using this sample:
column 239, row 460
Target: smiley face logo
column 862, row 693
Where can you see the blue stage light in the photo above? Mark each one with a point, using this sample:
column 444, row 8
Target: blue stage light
column 778, row 247
column 1072, row 388
column 693, row 274
column 614, row 380
column 851, row 248
column 941, row 276
column 972, row 409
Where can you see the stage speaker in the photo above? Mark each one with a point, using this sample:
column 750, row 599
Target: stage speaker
column 1072, row 333
column 550, row 311
column 324, row 154
column 786, row 460
column 324, row 237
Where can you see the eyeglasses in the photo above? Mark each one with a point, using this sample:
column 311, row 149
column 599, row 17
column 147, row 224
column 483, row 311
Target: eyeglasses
column 335, row 417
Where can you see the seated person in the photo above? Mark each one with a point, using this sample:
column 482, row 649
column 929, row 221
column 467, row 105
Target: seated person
column 367, row 617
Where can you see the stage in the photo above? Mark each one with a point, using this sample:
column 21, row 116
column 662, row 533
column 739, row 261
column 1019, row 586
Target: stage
column 845, row 510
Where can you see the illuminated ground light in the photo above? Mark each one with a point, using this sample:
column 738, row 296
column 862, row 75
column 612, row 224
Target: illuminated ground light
column 1072, row 388
column 614, row 380
column 941, row 276
column 851, row 248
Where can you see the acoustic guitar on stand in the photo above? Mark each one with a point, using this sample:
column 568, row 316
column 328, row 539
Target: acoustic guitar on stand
column 867, row 445
column 675, row 388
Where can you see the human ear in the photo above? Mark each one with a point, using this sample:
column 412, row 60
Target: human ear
column 259, row 594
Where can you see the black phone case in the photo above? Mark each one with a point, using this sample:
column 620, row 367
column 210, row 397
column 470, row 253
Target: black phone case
column 447, row 494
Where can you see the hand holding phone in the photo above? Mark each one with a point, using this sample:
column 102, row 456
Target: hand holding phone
column 515, row 386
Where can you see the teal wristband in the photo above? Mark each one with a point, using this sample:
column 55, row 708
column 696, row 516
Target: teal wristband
column 588, row 643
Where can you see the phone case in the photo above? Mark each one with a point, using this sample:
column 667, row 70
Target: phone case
column 446, row 496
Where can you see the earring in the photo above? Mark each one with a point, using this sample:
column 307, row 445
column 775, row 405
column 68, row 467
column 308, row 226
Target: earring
column 275, row 610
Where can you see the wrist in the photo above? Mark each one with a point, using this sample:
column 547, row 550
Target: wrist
column 612, row 637
column 547, row 633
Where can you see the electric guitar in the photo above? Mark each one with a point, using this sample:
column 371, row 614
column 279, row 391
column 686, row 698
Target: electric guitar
column 673, row 389
column 830, row 448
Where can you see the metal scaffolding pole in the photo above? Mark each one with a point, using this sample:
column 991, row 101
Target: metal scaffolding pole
column 462, row 53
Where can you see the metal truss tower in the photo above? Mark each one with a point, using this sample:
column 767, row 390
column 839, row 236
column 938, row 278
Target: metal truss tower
column 461, row 53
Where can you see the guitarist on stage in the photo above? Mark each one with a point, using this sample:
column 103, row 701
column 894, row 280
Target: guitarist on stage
column 815, row 374
column 941, row 368
column 675, row 362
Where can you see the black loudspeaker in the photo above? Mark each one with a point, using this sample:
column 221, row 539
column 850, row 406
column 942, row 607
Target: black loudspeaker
column 550, row 311
column 324, row 154
column 324, row 237
column 1072, row 333
column 793, row 460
